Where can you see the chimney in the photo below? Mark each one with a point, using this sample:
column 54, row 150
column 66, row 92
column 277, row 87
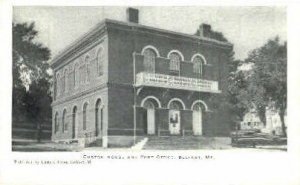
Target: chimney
column 132, row 15
column 204, row 30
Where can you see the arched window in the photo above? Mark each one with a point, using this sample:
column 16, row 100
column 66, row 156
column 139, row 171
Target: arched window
column 65, row 80
column 87, row 68
column 76, row 76
column 56, row 124
column 80, row 74
column 99, row 108
column 58, row 85
column 85, row 106
column 175, row 59
column 149, row 60
column 198, row 65
column 64, row 121
column 100, row 61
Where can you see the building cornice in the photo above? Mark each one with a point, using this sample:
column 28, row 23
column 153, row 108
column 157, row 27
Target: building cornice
column 88, row 38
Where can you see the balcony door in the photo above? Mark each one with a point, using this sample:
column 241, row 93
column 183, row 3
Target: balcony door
column 149, row 60
column 197, row 119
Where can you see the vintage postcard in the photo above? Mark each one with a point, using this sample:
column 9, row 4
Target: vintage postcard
column 134, row 85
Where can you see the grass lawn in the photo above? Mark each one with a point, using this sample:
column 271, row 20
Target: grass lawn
column 44, row 146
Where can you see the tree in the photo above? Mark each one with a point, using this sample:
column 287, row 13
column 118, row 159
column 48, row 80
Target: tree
column 214, row 35
column 38, row 103
column 30, row 58
column 268, row 81
column 31, row 78
column 237, row 92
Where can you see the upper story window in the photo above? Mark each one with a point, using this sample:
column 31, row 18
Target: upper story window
column 76, row 76
column 100, row 61
column 87, row 68
column 149, row 60
column 82, row 74
column 65, row 81
column 175, row 58
column 57, row 90
column 198, row 64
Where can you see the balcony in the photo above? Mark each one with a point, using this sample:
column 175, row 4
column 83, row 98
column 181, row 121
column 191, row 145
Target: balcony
column 176, row 82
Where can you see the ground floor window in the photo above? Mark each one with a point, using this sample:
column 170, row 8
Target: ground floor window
column 74, row 120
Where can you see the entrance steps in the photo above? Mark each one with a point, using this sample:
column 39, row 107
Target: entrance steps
column 96, row 143
column 186, row 143
column 140, row 145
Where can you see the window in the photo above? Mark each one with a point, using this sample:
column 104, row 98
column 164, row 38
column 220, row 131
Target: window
column 65, row 81
column 84, row 116
column 198, row 65
column 76, row 76
column 81, row 74
column 175, row 62
column 58, row 85
column 100, row 60
column 87, row 69
column 56, row 124
column 64, row 121
column 149, row 60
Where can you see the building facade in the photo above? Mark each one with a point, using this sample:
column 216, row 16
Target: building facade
column 251, row 121
column 126, row 79
column 273, row 122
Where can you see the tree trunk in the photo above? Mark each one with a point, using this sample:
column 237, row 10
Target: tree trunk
column 281, row 115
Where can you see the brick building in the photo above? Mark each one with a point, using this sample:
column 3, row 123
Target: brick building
column 126, row 79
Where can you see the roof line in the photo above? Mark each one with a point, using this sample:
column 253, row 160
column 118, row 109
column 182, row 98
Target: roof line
column 104, row 21
column 169, row 31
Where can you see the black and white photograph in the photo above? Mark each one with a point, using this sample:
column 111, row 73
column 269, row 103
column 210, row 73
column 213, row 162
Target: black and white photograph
column 149, row 92
column 149, row 78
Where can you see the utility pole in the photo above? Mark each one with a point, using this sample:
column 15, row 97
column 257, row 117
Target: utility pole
column 134, row 99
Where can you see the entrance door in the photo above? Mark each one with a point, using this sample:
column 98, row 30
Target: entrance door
column 150, row 121
column 174, row 122
column 150, row 117
column 197, row 119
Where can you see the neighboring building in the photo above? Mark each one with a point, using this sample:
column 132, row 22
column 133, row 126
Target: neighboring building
column 125, row 79
column 273, row 122
column 251, row 121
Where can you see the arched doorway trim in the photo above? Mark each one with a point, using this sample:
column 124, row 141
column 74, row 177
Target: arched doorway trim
column 176, row 99
column 201, row 102
column 151, row 97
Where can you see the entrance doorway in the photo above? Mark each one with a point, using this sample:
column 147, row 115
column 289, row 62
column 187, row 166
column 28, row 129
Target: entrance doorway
column 197, row 119
column 150, row 117
column 74, row 120
column 175, row 117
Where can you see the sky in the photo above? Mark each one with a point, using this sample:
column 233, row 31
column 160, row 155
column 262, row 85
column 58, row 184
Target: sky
column 246, row 27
